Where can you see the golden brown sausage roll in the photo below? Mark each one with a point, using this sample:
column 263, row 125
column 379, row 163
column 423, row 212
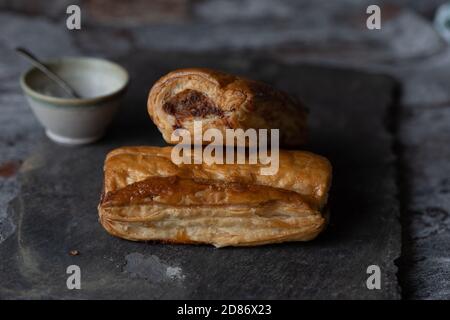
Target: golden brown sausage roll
column 223, row 101
column 147, row 197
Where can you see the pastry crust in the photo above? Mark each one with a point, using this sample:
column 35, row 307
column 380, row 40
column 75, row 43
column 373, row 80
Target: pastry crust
column 147, row 197
column 223, row 101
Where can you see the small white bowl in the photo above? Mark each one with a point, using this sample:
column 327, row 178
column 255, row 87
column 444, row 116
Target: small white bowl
column 101, row 84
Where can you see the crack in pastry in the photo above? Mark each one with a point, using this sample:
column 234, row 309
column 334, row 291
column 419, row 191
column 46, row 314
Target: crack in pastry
column 147, row 197
column 223, row 101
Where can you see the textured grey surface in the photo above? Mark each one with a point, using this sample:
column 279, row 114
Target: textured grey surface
column 425, row 139
column 55, row 211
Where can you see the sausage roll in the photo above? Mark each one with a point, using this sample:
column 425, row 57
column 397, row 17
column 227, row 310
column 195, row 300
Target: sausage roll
column 148, row 197
column 223, row 101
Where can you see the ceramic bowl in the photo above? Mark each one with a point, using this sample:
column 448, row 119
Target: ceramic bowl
column 100, row 83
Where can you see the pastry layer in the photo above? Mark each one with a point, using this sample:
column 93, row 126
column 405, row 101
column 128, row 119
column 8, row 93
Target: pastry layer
column 147, row 197
column 223, row 101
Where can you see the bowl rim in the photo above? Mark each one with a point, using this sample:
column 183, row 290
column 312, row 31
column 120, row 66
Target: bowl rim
column 74, row 101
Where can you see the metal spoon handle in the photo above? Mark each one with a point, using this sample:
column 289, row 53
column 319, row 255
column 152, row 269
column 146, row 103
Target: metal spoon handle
column 38, row 64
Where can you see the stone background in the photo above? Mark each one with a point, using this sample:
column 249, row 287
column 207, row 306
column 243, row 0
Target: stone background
column 319, row 32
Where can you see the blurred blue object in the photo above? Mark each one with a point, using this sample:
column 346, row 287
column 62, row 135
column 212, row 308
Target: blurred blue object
column 442, row 21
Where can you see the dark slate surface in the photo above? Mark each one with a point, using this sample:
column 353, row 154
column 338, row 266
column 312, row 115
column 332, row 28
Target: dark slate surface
column 426, row 218
column 55, row 211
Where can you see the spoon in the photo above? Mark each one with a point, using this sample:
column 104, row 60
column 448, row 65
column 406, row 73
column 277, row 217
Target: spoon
column 53, row 76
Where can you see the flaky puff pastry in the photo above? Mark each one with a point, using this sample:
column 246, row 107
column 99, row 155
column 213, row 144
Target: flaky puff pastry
column 223, row 101
column 147, row 197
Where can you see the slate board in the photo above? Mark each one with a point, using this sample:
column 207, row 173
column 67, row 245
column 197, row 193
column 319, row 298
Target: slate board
column 56, row 210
